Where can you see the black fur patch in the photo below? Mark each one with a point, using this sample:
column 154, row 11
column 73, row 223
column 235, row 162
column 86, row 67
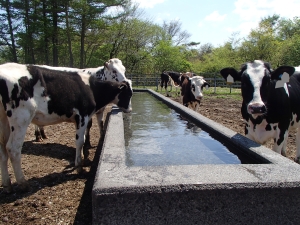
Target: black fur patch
column 12, row 128
column 4, row 93
column 9, row 113
column 246, row 130
column 268, row 127
column 77, row 121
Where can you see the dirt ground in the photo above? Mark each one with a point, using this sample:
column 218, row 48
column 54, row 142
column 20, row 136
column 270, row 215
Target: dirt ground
column 58, row 195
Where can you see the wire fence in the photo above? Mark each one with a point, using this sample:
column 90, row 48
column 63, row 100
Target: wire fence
column 153, row 80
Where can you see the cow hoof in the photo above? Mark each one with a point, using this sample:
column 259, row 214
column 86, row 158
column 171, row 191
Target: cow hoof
column 87, row 145
column 24, row 187
column 7, row 189
column 79, row 169
column 39, row 139
column 297, row 160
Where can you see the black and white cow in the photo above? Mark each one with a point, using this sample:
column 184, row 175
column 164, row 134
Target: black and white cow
column 192, row 90
column 271, row 102
column 32, row 94
column 113, row 70
column 169, row 78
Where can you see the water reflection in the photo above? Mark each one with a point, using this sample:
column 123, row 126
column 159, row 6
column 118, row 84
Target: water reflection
column 157, row 135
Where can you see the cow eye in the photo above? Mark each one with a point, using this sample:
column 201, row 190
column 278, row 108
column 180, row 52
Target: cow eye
column 114, row 71
column 193, row 86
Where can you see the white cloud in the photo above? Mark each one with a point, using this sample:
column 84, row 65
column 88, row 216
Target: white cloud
column 243, row 28
column 251, row 12
column 254, row 10
column 215, row 16
column 147, row 3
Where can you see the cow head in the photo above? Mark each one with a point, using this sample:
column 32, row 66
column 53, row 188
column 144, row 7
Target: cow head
column 114, row 70
column 197, row 83
column 257, row 83
column 123, row 100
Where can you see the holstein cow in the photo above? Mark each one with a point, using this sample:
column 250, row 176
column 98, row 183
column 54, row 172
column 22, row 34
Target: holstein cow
column 113, row 70
column 169, row 78
column 34, row 94
column 271, row 102
column 192, row 90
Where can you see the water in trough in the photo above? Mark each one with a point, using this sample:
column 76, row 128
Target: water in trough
column 156, row 135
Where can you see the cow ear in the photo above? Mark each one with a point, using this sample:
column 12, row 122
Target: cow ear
column 277, row 74
column 230, row 74
column 106, row 65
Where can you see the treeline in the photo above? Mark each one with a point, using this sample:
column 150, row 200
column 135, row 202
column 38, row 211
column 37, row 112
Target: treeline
column 80, row 33
column 275, row 40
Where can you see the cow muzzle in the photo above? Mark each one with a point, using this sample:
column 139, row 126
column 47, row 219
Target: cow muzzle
column 199, row 97
column 128, row 110
column 256, row 109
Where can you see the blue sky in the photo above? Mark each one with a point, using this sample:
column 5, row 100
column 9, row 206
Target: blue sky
column 215, row 21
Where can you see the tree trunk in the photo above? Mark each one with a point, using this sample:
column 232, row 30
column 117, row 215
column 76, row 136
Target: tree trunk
column 46, row 36
column 71, row 60
column 82, row 36
column 55, row 32
column 12, row 38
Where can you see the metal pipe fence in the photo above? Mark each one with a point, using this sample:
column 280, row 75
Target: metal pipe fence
column 153, row 80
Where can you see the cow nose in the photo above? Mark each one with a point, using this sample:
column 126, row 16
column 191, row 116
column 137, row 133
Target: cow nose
column 128, row 110
column 257, row 108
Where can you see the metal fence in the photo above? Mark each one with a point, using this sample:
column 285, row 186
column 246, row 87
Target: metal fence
column 153, row 80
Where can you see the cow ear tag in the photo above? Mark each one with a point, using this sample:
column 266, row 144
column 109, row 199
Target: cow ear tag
column 229, row 79
column 284, row 79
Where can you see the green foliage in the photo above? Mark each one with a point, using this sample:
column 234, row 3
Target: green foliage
column 86, row 34
column 168, row 57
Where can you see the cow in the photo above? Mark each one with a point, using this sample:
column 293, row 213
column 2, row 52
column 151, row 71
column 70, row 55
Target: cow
column 32, row 94
column 192, row 90
column 169, row 78
column 113, row 70
column 271, row 102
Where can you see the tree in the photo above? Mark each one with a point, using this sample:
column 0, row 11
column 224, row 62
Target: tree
column 168, row 57
column 8, row 27
column 175, row 33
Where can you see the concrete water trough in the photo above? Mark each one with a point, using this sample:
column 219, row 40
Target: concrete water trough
column 261, row 190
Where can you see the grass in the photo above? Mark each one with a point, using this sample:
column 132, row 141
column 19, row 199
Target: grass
column 218, row 92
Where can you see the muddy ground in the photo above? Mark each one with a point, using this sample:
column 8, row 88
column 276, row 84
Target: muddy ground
column 58, row 195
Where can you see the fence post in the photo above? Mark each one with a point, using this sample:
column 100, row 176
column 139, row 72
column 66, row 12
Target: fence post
column 215, row 83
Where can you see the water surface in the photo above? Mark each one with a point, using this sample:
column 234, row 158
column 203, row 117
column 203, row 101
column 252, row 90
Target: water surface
column 156, row 135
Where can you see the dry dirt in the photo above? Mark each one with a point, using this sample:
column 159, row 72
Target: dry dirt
column 58, row 195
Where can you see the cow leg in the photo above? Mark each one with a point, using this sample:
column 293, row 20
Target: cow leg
column 80, row 131
column 87, row 141
column 14, row 144
column 283, row 150
column 37, row 133
column 4, row 135
column 281, row 147
column 6, row 183
column 43, row 133
column 166, row 89
column 297, row 159
column 100, row 121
